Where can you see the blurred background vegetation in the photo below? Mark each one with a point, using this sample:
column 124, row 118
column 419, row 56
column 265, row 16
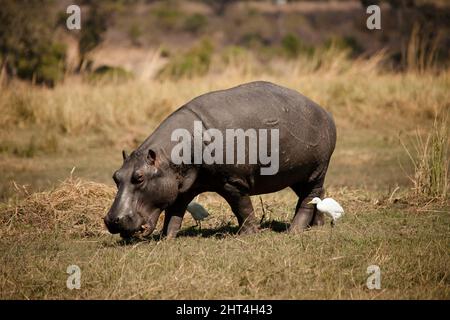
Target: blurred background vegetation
column 70, row 97
column 121, row 39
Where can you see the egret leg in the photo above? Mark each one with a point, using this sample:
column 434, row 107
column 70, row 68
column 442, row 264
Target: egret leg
column 331, row 231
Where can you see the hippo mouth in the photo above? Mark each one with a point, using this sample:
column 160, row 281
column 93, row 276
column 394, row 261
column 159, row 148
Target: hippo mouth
column 144, row 231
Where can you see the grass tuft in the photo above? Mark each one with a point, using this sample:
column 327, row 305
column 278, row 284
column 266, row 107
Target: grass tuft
column 75, row 206
column 431, row 162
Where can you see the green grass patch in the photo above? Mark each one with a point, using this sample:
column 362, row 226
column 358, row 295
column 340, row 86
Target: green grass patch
column 47, row 232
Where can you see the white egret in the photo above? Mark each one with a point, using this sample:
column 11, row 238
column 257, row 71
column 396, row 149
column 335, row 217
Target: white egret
column 330, row 207
column 197, row 211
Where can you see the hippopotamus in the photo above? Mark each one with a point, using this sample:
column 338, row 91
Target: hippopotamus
column 150, row 181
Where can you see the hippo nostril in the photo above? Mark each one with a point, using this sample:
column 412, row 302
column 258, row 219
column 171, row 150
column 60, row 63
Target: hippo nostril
column 117, row 220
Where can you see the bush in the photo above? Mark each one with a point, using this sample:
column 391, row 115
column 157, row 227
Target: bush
column 195, row 62
column 165, row 52
column 195, row 23
column 253, row 40
column 135, row 33
column 93, row 29
column 45, row 66
column 167, row 16
column 346, row 43
column 293, row 46
column 26, row 42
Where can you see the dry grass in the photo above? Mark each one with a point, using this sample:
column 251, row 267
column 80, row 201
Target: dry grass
column 354, row 91
column 75, row 207
column 46, row 232
column 431, row 162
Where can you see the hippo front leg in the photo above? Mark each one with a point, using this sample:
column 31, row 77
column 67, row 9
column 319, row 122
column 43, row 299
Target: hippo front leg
column 242, row 207
column 174, row 216
column 172, row 223
column 246, row 216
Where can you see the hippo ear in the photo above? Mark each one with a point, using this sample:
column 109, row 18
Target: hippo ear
column 151, row 157
column 124, row 155
column 188, row 180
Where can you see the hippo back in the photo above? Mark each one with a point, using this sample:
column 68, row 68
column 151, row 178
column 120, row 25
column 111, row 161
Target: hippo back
column 307, row 134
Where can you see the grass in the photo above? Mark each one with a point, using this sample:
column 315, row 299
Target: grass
column 355, row 94
column 431, row 162
column 51, row 223
column 46, row 232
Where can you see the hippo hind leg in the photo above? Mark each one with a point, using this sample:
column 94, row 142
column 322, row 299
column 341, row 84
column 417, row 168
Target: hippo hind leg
column 306, row 215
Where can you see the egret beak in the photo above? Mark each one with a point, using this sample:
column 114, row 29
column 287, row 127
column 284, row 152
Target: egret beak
column 310, row 202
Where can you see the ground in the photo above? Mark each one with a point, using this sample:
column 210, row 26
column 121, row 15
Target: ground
column 56, row 220
column 409, row 246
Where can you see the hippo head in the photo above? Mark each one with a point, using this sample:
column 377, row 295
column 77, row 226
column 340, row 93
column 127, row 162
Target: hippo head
column 146, row 185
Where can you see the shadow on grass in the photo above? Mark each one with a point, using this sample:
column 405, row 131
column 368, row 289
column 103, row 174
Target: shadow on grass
column 228, row 229
column 218, row 233
column 277, row 226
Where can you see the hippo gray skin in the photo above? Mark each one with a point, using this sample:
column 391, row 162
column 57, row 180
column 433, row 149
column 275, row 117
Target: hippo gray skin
column 149, row 182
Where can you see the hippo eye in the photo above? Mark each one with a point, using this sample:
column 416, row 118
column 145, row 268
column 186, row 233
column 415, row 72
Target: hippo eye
column 137, row 178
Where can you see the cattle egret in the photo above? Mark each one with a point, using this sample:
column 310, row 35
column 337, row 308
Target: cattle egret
column 330, row 207
column 197, row 211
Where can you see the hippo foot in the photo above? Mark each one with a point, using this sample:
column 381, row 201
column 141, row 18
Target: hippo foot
column 294, row 229
column 319, row 219
column 249, row 229
column 170, row 236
